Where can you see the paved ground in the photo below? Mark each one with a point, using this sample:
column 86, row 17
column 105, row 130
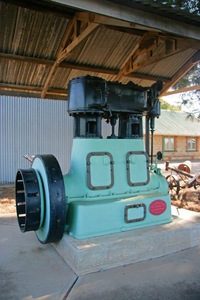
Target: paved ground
column 29, row 270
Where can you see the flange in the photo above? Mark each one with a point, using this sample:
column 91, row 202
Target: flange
column 40, row 199
column 53, row 224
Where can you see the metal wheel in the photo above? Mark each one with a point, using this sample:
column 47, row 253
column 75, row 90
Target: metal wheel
column 40, row 199
column 174, row 185
column 54, row 206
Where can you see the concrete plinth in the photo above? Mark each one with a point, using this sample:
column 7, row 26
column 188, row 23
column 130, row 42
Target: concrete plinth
column 100, row 253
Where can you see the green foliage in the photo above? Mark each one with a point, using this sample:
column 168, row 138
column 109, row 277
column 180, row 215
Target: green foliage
column 165, row 105
column 192, row 78
column 192, row 6
column 190, row 100
column 192, row 117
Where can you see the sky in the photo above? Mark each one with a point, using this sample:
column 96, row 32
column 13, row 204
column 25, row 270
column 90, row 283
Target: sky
column 172, row 99
column 192, row 106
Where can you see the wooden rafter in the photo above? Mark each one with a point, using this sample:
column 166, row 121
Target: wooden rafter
column 56, row 63
column 68, row 65
column 134, row 52
column 137, row 66
column 105, row 20
column 32, row 89
column 80, row 26
column 147, row 77
column 82, row 67
column 147, row 53
column 181, row 72
column 134, row 28
column 183, row 90
column 65, row 51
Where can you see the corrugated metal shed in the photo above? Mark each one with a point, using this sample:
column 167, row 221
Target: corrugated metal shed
column 29, row 127
column 44, row 44
column 177, row 123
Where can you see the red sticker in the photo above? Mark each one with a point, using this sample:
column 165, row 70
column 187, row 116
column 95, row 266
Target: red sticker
column 157, row 207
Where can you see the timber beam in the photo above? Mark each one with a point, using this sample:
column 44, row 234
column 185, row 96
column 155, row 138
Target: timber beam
column 181, row 72
column 82, row 67
column 73, row 37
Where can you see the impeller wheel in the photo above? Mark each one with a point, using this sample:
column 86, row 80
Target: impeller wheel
column 53, row 225
column 174, row 185
column 40, row 199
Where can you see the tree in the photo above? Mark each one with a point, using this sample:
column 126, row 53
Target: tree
column 192, row 78
column 190, row 100
column 193, row 6
column 166, row 105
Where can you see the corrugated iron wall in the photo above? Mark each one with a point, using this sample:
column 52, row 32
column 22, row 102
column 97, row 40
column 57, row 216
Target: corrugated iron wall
column 32, row 126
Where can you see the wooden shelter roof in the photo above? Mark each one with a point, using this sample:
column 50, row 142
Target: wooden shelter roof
column 44, row 44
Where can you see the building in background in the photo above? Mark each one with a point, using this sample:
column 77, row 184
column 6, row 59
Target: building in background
column 177, row 136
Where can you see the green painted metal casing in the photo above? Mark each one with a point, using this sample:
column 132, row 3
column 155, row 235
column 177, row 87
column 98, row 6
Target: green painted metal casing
column 110, row 188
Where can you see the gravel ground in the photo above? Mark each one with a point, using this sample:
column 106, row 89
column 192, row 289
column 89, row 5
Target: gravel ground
column 7, row 199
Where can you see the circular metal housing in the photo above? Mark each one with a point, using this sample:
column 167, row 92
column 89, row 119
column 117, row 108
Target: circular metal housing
column 53, row 225
column 40, row 199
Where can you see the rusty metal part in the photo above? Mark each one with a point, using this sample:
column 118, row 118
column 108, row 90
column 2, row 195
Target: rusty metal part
column 30, row 159
column 181, row 180
column 174, row 185
column 167, row 168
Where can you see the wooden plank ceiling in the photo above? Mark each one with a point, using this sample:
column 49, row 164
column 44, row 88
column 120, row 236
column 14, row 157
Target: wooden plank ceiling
column 44, row 45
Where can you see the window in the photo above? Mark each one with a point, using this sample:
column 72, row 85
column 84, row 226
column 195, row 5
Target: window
column 191, row 144
column 169, row 143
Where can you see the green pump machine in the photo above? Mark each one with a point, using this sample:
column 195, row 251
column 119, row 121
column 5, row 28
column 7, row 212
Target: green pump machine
column 112, row 185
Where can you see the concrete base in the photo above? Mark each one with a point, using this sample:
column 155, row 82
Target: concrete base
column 100, row 253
